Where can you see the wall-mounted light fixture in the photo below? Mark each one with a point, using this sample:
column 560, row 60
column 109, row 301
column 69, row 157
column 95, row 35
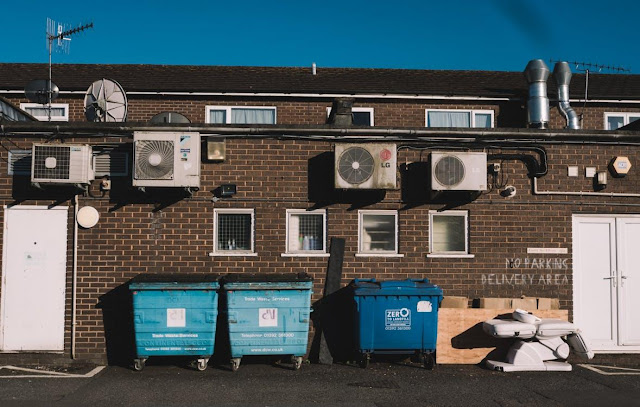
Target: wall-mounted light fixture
column 216, row 150
column 225, row 191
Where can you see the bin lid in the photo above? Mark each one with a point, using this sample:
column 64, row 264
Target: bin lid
column 261, row 281
column 177, row 281
column 395, row 287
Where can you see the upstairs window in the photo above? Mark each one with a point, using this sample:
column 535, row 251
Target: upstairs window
column 362, row 116
column 241, row 115
column 459, row 118
column 613, row 121
column 59, row 111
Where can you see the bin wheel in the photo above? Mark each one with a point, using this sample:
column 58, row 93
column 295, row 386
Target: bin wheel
column 235, row 364
column 202, row 364
column 138, row 364
column 364, row 360
column 429, row 361
column 297, row 362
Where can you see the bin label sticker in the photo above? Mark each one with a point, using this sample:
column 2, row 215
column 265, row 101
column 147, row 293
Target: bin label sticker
column 176, row 317
column 267, row 317
column 397, row 319
column 425, row 306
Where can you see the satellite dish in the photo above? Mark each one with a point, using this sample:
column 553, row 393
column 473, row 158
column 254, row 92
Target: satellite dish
column 38, row 90
column 105, row 101
column 169, row 117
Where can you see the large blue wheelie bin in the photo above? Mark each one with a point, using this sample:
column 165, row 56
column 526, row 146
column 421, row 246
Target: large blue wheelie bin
column 396, row 317
column 267, row 314
column 174, row 315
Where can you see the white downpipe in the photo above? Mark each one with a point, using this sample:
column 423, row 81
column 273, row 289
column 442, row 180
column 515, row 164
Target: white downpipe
column 581, row 193
column 75, row 277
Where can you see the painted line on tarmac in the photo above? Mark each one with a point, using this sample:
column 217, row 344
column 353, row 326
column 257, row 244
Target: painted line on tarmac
column 47, row 373
column 620, row 371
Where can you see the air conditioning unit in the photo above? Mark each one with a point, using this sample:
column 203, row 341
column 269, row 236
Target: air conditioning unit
column 166, row 159
column 61, row 164
column 458, row 171
column 365, row 166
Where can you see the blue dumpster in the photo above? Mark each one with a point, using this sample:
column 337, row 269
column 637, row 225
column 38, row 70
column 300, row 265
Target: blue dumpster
column 268, row 314
column 396, row 317
column 174, row 315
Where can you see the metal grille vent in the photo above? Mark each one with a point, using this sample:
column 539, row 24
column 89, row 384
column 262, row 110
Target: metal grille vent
column 154, row 159
column 355, row 165
column 111, row 163
column 449, row 171
column 19, row 162
column 52, row 162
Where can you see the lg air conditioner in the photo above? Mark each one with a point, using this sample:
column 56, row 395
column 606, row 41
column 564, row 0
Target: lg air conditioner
column 365, row 166
column 458, row 171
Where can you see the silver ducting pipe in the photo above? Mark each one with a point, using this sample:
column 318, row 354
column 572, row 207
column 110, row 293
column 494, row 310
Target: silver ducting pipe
column 562, row 75
column 537, row 73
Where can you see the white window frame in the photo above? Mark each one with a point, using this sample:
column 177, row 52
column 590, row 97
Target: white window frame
column 359, row 109
column 228, row 109
column 307, row 253
column 624, row 115
column 64, row 118
column 458, row 254
column 233, row 211
column 472, row 112
column 377, row 253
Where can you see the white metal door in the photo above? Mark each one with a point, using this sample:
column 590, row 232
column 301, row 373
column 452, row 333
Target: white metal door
column 606, row 255
column 33, row 278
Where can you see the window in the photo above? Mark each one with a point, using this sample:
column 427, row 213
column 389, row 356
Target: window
column 241, row 115
column 19, row 162
column 59, row 111
column 448, row 234
column 233, row 232
column 362, row 116
column 378, row 233
column 459, row 118
column 306, row 232
column 613, row 121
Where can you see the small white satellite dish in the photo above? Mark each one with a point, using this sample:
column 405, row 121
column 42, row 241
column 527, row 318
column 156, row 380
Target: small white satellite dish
column 88, row 217
column 105, row 101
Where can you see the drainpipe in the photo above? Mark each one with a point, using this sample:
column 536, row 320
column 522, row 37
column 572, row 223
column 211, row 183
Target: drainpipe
column 562, row 74
column 75, row 277
column 581, row 193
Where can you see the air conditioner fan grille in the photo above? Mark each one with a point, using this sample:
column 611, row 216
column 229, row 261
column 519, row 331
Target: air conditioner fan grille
column 449, row 171
column 58, row 168
column 355, row 165
column 154, row 159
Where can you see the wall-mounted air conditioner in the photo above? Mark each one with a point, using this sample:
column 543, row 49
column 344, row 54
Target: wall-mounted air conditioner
column 61, row 164
column 365, row 166
column 458, row 171
column 166, row 159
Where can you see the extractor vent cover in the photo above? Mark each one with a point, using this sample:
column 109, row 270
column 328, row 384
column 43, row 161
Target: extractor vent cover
column 154, row 159
column 365, row 166
column 458, row 171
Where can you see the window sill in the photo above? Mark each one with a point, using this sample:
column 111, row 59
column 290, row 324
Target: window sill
column 304, row 255
column 454, row 256
column 379, row 255
column 231, row 254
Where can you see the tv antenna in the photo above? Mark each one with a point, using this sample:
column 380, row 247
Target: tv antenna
column 58, row 39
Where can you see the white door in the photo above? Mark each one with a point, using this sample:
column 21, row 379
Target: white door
column 33, row 278
column 606, row 259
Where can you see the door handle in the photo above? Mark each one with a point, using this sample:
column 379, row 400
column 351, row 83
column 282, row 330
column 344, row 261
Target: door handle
column 611, row 278
column 622, row 281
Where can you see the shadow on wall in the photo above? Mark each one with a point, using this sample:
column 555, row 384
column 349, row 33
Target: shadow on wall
column 117, row 316
column 334, row 315
column 321, row 190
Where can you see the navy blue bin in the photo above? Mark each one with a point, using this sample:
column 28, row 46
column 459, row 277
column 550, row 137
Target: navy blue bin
column 396, row 317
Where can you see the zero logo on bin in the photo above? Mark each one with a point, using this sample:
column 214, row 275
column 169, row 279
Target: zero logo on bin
column 267, row 317
column 397, row 317
column 176, row 317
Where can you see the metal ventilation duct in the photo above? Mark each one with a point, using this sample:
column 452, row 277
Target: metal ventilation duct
column 562, row 75
column 537, row 73
column 341, row 112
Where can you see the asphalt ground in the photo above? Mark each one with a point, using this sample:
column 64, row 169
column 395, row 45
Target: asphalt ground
column 256, row 383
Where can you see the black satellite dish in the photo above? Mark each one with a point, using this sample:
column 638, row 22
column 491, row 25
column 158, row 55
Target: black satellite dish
column 169, row 117
column 38, row 90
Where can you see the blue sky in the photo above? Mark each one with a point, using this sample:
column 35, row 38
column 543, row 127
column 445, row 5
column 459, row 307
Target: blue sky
column 454, row 34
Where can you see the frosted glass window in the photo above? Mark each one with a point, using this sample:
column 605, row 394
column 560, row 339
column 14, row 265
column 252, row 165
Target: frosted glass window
column 448, row 232
column 306, row 231
column 378, row 232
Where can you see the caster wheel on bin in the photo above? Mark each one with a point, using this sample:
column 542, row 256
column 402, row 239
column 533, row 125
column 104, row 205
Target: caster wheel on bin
column 364, row 360
column 202, row 364
column 429, row 361
column 235, row 364
column 138, row 364
column 297, row 362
